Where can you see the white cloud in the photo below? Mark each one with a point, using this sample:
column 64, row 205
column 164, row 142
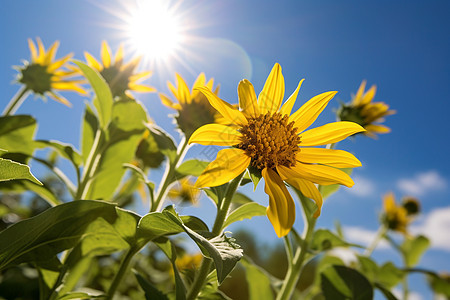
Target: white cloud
column 422, row 183
column 411, row 295
column 362, row 236
column 363, row 187
column 436, row 226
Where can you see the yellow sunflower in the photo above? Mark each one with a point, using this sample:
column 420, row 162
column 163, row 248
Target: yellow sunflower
column 120, row 77
column 365, row 112
column 185, row 191
column 44, row 75
column 394, row 216
column 193, row 108
column 265, row 136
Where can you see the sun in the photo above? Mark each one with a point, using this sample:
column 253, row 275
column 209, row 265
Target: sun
column 154, row 30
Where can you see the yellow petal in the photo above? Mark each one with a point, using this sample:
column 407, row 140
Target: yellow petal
column 247, row 99
column 368, row 96
column 229, row 164
column 210, row 85
column 183, row 89
column 359, row 93
column 51, row 53
column 330, row 157
column 41, row 56
column 307, row 188
column 233, row 115
column 289, row 104
column 119, row 56
column 59, row 98
column 92, row 62
column 281, row 209
column 216, row 134
column 174, row 91
column 389, row 203
column 141, row 88
column 200, row 81
column 167, row 102
column 309, row 111
column 105, row 55
column 67, row 86
column 329, row 133
column 33, row 50
column 140, row 76
column 376, row 128
column 271, row 96
column 321, row 174
column 59, row 63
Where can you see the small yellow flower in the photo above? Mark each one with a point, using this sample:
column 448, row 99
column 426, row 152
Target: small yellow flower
column 189, row 261
column 119, row 76
column 365, row 112
column 394, row 216
column 44, row 75
column 264, row 135
column 193, row 107
column 185, row 191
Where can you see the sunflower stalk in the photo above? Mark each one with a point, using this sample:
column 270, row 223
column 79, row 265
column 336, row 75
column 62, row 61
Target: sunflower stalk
column 380, row 235
column 121, row 272
column 16, row 101
column 222, row 212
column 168, row 176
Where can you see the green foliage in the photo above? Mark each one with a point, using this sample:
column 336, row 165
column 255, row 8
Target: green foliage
column 259, row 284
column 340, row 282
column 324, row 239
column 414, row 248
column 10, row 170
column 192, row 167
column 245, row 211
column 17, row 133
column 328, row 190
column 151, row 292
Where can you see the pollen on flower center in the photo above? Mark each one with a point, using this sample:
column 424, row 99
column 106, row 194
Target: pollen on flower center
column 270, row 141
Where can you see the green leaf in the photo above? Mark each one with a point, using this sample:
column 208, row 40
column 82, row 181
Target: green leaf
column 258, row 282
column 246, row 211
column 148, row 152
column 123, row 138
column 164, row 141
column 103, row 101
column 17, row 186
column 439, row 284
column 59, row 228
column 324, row 239
column 255, row 175
column 328, row 190
column 151, row 293
column 389, row 275
column 239, row 198
column 387, row 293
column 65, row 150
column 414, row 248
column 17, row 133
column 10, row 170
column 340, row 282
column 80, row 296
column 90, row 127
column 193, row 167
column 222, row 249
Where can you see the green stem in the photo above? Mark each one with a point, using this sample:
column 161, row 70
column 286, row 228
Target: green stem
column 16, row 101
column 90, row 166
column 222, row 212
column 380, row 235
column 293, row 273
column 168, row 176
column 121, row 272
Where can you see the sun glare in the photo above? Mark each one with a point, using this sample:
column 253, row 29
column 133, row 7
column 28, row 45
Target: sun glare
column 155, row 30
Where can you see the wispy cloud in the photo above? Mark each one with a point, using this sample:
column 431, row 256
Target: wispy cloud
column 362, row 236
column 411, row 295
column 436, row 226
column 422, row 183
column 363, row 187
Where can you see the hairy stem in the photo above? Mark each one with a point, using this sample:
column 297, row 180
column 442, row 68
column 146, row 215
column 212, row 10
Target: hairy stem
column 222, row 212
column 16, row 101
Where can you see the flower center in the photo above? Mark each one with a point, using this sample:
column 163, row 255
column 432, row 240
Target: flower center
column 36, row 78
column 117, row 79
column 270, row 141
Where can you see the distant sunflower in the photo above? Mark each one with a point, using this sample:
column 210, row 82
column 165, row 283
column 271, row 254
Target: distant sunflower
column 184, row 191
column 365, row 112
column 398, row 217
column 44, row 75
column 119, row 76
column 264, row 135
column 193, row 107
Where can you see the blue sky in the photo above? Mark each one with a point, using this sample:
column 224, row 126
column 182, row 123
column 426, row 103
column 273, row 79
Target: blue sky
column 401, row 47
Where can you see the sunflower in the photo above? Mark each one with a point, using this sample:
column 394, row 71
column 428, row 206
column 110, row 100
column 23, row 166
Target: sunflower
column 44, row 75
column 394, row 216
column 365, row 112
column 264, row 136
column 193, row 107
column 185, row 191
column 119, row 76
